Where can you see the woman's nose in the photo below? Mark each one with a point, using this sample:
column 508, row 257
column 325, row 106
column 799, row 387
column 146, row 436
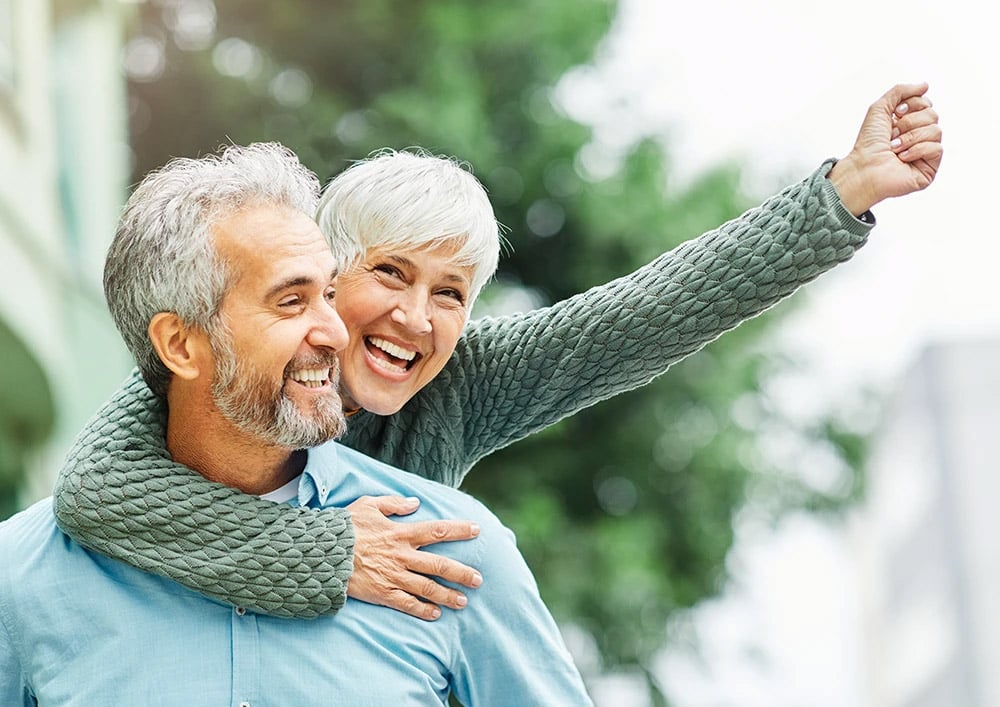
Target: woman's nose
column 413, row 312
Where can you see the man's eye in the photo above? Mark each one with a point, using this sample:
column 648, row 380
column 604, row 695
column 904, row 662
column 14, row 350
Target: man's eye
column 292, row 301
column 330, row 294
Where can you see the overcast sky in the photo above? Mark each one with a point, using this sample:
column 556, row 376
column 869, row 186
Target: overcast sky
column 783, row 85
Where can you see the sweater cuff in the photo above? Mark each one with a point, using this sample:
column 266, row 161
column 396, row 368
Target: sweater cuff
column 858, row 225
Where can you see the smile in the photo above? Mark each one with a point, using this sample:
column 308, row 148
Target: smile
column 311, row 377
column 390, row 356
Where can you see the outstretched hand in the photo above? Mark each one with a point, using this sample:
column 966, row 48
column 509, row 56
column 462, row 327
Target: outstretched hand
column 898, row 150
column 391, row 570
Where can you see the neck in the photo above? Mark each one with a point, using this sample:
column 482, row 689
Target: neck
column 199, row 437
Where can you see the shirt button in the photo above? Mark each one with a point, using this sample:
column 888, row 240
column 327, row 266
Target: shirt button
column 244, row 704
column 239, row 612
column 322, row 490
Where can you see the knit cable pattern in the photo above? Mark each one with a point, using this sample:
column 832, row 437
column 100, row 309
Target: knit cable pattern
column 119, row 492
column 266, row 557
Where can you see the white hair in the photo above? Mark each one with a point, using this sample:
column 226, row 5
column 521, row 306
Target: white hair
column 163, row 256
column 407, row 200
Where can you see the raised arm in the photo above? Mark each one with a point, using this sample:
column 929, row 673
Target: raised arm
column 526, row 372
column 121, row 494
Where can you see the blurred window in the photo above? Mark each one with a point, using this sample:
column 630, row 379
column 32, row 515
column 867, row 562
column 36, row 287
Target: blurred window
column 6, row 42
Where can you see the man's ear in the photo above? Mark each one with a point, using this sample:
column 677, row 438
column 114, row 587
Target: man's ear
column 183, row 349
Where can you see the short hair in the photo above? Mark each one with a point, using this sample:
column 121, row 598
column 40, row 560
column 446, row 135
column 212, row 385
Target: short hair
column 410, row 199
column 163, row 256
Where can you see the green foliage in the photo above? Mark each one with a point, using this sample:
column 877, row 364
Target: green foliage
column 625, row 510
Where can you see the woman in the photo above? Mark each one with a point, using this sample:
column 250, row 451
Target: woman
column 431, row 397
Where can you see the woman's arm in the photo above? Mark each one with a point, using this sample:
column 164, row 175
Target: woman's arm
column 534, row 369
column 120, row 493
column 530, row 371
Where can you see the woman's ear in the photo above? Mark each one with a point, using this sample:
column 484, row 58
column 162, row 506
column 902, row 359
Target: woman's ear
column 183, row 349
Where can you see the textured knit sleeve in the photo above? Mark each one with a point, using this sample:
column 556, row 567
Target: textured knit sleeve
column 525, row 372
column 119, row 493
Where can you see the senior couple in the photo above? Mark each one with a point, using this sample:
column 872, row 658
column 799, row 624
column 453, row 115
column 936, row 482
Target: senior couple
column 204, row 513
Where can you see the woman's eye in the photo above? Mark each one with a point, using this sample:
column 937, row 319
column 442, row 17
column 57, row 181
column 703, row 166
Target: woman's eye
column 454, row 294
column 388, row 270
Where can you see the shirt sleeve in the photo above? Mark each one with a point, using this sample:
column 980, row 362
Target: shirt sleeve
column 120, row 494
column 525, row 372
column 512, row 650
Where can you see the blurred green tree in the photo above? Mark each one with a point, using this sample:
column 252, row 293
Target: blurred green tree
column 626, row 510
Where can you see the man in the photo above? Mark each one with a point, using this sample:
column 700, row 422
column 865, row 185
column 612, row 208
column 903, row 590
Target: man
column 222, row 287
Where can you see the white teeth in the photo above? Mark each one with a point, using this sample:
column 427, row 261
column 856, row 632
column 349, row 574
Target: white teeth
column 316, row 375
column 391, row 348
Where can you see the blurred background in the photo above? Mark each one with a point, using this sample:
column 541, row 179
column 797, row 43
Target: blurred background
column 799, row 514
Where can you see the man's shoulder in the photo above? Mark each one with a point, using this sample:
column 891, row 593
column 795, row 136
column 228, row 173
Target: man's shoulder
column 27, row 536
column 36, row 521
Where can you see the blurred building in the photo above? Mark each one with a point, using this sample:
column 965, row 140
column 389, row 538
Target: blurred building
column 932, row 519
column 64, row 153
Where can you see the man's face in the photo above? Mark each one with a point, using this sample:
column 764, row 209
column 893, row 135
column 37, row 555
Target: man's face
column 276, row 369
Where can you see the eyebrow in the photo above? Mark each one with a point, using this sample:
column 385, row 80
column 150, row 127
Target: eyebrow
column 450, row 277
column 295, row 281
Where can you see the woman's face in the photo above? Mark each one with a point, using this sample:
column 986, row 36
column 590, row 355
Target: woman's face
column 404, row 311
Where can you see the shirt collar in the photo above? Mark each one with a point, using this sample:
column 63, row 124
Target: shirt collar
column 322, row 473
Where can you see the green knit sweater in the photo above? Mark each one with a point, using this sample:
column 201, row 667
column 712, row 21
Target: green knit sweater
column 120, row 493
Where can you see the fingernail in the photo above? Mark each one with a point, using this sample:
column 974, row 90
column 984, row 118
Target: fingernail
column 474, row 528
column 436, row 614
column 413, row 500
column 461, row 601
column 895, row 143
column 902, row 108
column 477, row 579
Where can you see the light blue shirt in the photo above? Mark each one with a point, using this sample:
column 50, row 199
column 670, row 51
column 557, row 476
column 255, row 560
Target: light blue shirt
column 77, row 628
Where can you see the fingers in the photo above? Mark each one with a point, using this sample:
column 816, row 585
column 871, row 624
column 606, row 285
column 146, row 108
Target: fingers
column 920, row 121
column 429, row 532
column 918, row 137
column 391, row 571
column 429, row 590
column 415, row 593
column 427, row 563
column 409, row 604
column 901, row 93
column 391, row 505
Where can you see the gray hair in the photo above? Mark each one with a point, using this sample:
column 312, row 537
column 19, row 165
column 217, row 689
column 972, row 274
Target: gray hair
column 163, row 256
column 411, row 199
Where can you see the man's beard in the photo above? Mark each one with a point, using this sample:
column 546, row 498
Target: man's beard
column 260, row 407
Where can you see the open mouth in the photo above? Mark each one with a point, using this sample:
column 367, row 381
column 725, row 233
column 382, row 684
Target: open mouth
column 390, row 356
column 311, row 377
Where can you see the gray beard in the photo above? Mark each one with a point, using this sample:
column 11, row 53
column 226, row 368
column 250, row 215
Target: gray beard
column 261, row 409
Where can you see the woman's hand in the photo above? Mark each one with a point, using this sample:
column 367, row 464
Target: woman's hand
column 391, row 570
column 897, row 151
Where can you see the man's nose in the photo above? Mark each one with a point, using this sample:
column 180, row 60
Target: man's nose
column 328, row 329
